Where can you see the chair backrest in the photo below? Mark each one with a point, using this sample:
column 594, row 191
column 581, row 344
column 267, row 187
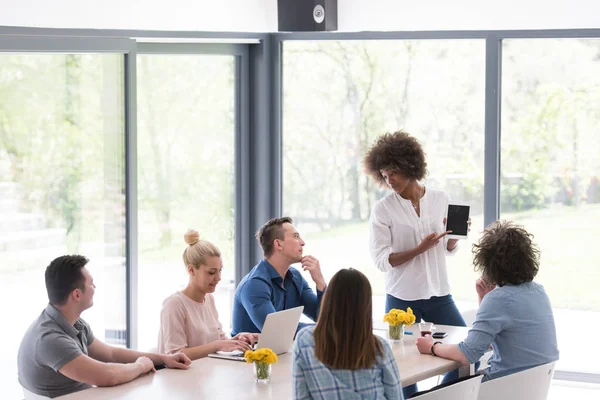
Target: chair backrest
column 531, row 384
column 32, row 396
column 469, row 316
column 465, row 390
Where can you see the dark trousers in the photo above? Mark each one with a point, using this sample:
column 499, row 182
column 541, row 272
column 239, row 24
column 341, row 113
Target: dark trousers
column 439, row 310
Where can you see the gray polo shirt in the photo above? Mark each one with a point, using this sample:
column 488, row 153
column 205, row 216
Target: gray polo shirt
column 49, row 344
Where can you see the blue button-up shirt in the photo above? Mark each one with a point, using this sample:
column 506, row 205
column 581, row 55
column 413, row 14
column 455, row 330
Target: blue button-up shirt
column 261, row 293
column 518, row 322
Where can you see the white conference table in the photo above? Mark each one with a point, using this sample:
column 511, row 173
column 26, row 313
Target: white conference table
column 224, row 379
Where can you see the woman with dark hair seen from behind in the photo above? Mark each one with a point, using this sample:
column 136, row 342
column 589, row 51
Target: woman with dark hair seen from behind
column 340, row 357
column 407, row 234
column 515, row 315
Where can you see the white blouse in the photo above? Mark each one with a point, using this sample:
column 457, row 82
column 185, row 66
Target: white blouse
column 395, row 227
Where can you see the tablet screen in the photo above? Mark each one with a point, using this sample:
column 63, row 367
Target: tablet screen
column 457, row 221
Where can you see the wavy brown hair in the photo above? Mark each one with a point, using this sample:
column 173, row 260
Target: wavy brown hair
column 344, row 332
column 396, row 151
column 506, row 254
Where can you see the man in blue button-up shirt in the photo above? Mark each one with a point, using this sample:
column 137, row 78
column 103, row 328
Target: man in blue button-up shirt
column 272, row 285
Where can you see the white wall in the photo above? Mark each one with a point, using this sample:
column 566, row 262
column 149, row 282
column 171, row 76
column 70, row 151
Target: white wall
column 403, row 15
column 261, row 15
column 197, row 15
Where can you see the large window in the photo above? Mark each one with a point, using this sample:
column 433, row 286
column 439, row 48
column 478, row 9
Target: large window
column 61, row 189
column 338, row 97
column 186, row 132
column 62, row 165
column 551, row 174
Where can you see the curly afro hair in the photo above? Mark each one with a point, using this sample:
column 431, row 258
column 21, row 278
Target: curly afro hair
column 396, row 151
column 505, row 254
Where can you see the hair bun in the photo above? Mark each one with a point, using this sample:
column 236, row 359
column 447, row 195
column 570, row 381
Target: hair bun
column 191, row 237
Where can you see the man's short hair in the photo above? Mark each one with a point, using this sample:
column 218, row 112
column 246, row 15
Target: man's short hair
column 271, row 230
column 64, row 275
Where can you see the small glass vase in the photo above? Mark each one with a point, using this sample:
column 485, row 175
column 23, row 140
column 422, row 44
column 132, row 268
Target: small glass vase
column 396, row 333
column 262, row 372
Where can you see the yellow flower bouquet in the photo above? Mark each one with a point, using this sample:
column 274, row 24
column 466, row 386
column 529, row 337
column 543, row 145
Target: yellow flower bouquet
column 262, row 359
column 397, row 320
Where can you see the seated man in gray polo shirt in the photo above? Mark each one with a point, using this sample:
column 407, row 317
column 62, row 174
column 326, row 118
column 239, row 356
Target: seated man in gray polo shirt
column 514, row 317
column 59, row 354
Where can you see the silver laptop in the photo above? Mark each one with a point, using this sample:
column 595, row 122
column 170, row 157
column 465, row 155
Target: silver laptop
column 277, row 334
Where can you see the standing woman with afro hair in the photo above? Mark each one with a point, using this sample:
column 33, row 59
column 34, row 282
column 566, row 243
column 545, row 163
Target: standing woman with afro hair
column 407, row 234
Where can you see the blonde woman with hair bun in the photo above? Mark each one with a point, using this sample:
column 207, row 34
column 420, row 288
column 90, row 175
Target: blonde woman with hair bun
column 189, row 322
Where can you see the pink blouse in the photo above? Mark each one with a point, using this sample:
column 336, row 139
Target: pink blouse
column 186, row 323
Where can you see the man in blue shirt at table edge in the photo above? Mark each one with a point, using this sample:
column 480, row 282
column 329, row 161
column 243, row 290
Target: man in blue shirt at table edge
column 272, row 285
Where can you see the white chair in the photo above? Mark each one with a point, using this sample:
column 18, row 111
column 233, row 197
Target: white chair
column 469, row 316
column 32, row 396
column 464, row 390
column 531, row 384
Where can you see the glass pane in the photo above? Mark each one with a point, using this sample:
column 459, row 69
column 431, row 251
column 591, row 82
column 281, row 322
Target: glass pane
column 61, row 188
column 186, row 132
column 340, row 96
column 551, row 171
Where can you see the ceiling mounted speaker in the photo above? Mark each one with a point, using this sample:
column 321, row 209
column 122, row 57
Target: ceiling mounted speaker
column 307, row 15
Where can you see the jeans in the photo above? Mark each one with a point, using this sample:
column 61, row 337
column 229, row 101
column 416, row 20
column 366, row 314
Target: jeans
column 439, row 310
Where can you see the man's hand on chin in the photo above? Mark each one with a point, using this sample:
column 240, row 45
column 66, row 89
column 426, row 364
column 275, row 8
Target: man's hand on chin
column 312, row 265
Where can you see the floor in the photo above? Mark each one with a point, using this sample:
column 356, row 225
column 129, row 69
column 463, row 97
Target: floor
column 573, row 390
column 560, row 390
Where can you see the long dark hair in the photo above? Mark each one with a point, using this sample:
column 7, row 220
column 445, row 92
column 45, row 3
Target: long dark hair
column 344, row 332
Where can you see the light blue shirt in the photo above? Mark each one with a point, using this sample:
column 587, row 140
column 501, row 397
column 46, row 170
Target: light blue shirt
column 517, row 321
column 314, row 380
